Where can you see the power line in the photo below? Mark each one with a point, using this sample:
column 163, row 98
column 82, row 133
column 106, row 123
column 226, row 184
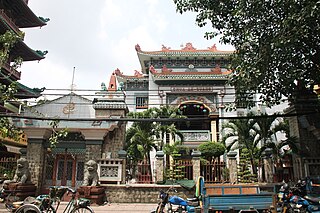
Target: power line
column 163, row 119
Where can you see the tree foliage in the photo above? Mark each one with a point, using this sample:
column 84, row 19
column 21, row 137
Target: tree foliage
column 277, row 43
column 7, row 91
column 256, row 134
column 211, row 150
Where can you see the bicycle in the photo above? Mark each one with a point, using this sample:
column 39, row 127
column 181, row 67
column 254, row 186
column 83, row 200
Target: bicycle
column 75, row 205
column 13, row 204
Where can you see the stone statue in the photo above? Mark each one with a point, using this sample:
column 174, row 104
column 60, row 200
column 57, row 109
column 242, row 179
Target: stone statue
column 22, row 174
column 91, row 177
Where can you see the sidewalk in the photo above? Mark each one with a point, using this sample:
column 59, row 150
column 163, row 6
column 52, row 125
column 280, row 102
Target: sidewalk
column 111, row 207
column 126, row 207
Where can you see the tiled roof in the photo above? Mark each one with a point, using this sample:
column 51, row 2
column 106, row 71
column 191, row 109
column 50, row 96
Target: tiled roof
column 188, row 50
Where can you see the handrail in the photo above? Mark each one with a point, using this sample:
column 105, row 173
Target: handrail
column 11, row 71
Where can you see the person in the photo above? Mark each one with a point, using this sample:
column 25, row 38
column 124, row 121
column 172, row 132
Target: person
column 308, row 184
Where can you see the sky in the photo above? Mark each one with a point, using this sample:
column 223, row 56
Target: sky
column 93, row 38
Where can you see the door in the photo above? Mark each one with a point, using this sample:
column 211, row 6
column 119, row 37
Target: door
column 65, row 170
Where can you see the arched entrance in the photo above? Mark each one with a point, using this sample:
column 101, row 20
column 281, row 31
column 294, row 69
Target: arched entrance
column 194, row 109
column 65, row 163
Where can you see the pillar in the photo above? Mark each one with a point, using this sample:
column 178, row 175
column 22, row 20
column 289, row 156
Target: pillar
column 214, row 131
column 159, row 167
column 268, row 166
column 36, row 158
column 93, row 150
column 196, row 166
column 122, row 154
column 232, row 165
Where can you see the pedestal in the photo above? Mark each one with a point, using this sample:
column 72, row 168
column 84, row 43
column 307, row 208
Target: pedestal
column 20, row 190
column 96, row 194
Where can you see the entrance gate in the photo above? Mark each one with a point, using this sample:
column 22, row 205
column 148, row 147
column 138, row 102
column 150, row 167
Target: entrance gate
column 65, row 169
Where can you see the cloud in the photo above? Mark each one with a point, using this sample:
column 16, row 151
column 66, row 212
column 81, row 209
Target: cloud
column 110, row 12
column 124, row 51
column 48, row 74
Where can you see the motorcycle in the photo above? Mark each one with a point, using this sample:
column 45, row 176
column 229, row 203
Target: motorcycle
column 283, row 198
column 175, row 204
column 295, row 199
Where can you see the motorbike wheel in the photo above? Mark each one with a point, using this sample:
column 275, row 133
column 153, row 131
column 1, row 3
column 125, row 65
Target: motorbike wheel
column 292, row 210
column 160, row 209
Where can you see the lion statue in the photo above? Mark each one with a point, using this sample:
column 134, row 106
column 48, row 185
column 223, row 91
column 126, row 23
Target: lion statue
column 22, row 174
column 91, row 177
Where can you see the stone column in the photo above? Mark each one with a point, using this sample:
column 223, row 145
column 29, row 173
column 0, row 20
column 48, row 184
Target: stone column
column 214, row 131
column 268, row 166
column 232, row 165
column 93, row 150
column 196, row 164
column 36, row 153
column 159, row 167
column 36, row 157
column 122, row 154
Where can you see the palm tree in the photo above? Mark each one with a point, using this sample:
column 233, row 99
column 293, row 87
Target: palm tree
column 240, row 134
column 267, row 129
column 142, row 136
column 139, row 143
column 166, row 127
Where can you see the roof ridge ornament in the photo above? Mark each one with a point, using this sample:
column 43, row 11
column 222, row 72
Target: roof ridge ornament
column 213, row 48
column 137, row 74
column 152, row 69
column 41, row 53
column 165, row 49
column 118, row 72
column 138, row 48
column 44, row 19
column 189, row 47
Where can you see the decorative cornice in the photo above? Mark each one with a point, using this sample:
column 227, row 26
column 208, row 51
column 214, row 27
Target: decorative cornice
column 188, row 49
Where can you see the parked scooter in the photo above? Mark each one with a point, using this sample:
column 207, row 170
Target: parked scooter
column 296, row 199
column 175, row 204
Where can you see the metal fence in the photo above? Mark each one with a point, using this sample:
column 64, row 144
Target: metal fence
column 214, row 172
column 8, row 167
column 139, row 172
column 181, row 169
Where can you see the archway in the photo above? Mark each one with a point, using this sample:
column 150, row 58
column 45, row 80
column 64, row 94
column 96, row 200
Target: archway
column 194, row 109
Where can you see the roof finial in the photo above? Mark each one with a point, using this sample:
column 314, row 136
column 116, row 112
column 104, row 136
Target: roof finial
column 113, row 83
column 137, row 47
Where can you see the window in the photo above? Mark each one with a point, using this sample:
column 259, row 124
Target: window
column 141, row 102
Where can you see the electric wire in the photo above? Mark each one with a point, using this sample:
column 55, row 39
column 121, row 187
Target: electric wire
column 160, row 119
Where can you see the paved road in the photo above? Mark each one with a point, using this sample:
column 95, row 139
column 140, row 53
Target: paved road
column 111, row 207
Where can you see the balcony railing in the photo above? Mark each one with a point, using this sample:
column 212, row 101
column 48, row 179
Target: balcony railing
column 194, row 138
column 11, row 73
column 196, row 135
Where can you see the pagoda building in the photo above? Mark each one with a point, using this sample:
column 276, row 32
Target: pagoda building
column 14, row 15
column 193, row 80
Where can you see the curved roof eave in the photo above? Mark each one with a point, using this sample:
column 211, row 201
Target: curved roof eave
column 25, row 17
column 22, row 50
column 25, row 92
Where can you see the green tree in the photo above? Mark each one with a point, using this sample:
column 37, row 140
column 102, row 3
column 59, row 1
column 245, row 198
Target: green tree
column 277, row 43
column 7, row 91
column 140, row 138
column 167, row 127
column 211, row 150
column 239, row 134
